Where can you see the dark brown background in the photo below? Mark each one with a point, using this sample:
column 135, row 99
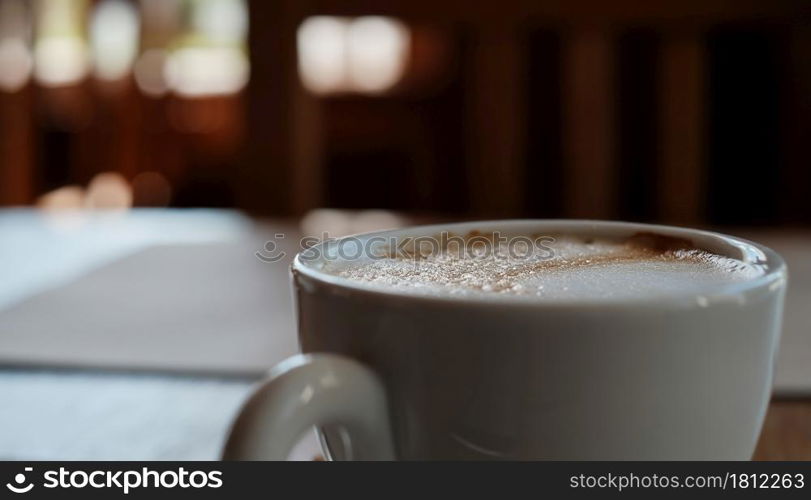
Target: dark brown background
column 691, row 112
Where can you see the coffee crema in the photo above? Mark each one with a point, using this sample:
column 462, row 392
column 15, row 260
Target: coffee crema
column 559, row 267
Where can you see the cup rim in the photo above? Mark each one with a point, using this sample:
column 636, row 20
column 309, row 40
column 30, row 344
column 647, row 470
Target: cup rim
column 775, row 275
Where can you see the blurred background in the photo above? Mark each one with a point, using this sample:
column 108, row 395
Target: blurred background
column 150, row 149
column 684, row 112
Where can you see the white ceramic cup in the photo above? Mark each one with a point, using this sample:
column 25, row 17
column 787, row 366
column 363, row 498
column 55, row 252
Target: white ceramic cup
column 387, row 374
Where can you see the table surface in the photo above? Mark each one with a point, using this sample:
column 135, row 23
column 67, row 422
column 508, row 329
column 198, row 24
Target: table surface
column 786, row 432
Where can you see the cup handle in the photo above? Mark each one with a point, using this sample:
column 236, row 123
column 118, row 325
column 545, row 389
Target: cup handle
column 308, row 390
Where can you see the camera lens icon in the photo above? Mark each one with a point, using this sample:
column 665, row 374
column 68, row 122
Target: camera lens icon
column 19, row 479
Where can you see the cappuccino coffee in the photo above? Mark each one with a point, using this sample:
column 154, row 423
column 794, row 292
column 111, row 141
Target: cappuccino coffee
column 569, row 340
column 557, row 267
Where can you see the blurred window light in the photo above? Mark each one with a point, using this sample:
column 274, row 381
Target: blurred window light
column 161, row 21
column 60, row 51
column 208, row 54
column 149, row 72
column 16, row 60
column 108, row 191
column 16, row 63
column 221, row 21
column 365, row 54
column 207, row 71
column 60, row 61
column 322, row 56
column 63, row 208
column 114, row 33
column 63, row 198
column 378, row 49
